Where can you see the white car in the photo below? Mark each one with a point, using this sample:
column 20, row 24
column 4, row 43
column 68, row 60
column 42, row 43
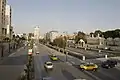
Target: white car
column 37, row 52
column 79, row 79
column 48, row 65
column 47, row 78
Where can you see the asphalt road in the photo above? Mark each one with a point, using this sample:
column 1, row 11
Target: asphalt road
column 62, row 70
column 12, row 67
column 101, row 74
column 89, row 54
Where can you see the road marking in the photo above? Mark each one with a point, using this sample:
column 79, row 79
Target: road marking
column 11, row 54
column 15, row 52
column 92, row 75
column 68, row 63
column 72, row 62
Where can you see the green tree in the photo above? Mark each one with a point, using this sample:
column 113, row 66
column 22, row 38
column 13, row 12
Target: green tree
column 98, row 32
column 80, row 35
column 60, row 42
column 112, row 33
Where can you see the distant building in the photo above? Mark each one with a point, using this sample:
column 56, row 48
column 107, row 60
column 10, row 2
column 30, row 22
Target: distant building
column 95, row 41
column 117, row 41
column 72, row 36
column 53, row 35
column 112, row 42
column 36, row 33
column 50, row 36
column 70, row 43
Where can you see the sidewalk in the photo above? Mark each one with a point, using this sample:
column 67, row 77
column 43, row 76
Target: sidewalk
column 6, row 50
column 12, row 68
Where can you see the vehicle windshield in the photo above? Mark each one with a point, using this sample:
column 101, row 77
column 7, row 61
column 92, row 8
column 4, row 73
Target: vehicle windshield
column 49, row 64
column 54, row 56
column 90, row 65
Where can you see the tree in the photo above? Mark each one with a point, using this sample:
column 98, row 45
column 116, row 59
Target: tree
column 60, row 42
column 98, row 32
column 80, row 35
column 23, row 38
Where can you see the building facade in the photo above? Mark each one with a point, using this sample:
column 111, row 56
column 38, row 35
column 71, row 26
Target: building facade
column 96, row 42
column 112, row 42
column 8, row 21
column 50, row 36
column 36, row 33
column 53, row 35
column 3, row 30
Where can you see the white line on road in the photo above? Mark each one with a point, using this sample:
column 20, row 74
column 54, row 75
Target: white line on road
column 93, row 75
column 11, row 54
column 68, row 63
column 14, row 52
column 72, row 62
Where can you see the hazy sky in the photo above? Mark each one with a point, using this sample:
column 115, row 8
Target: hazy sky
column 65, row 15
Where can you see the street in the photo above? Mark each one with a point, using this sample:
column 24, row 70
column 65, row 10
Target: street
column 12, row 66
column 61, row 71
column 69, row 70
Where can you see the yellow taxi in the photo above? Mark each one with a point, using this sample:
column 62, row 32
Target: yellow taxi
column 53, row 57
column 89, row 66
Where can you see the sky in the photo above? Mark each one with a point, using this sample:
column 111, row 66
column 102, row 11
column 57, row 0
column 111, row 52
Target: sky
column 65, row 15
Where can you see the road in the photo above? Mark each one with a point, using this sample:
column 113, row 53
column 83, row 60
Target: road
column 61, row 71
column 12, row 67
column 101, row 74
column 89, row 54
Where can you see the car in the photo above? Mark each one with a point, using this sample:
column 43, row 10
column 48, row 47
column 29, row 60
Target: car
column 48, row 65
column 89, row 66
column 48, row 78
column 37, row 52
column 79, row 79
column 53, row 57
column 109, row 64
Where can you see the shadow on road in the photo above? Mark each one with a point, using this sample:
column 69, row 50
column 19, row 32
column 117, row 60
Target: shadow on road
column 68, row 75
